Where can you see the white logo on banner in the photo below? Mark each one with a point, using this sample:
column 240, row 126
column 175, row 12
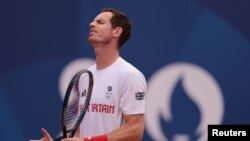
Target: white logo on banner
column 199, row 86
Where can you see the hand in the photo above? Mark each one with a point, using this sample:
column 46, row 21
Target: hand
column 46, row 136
column 72, row 139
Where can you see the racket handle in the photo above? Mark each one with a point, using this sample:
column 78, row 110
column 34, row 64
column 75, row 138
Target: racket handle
column 64, row 132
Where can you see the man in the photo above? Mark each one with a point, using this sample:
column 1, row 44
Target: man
column 117, row 85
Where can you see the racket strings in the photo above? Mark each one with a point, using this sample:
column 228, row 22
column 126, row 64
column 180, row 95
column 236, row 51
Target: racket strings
column 77, row 100
column 72, row 109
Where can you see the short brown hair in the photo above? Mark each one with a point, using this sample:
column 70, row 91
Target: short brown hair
column 119, row 19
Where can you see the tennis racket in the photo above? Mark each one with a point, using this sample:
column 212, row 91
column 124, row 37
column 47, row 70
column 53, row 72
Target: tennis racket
column 76, row 102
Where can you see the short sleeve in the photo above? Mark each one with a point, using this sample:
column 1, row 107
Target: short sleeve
column 133, row 93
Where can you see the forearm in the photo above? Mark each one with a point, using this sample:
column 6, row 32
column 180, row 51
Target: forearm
column 126, row 134
column 131, row 131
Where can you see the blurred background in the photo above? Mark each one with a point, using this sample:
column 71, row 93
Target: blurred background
column 194, row 54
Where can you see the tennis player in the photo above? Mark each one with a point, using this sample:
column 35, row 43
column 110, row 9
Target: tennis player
column 117, row 106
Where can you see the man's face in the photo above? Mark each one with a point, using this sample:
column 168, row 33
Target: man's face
column 101, row 29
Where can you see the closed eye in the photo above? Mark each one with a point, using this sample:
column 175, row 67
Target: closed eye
column 100, row 21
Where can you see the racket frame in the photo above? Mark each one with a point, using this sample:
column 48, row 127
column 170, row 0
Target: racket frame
column 75, row 79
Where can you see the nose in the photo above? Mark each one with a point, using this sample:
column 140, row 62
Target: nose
column 91, row 24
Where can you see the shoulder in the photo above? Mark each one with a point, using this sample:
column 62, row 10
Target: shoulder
column 128, row 66
column 130, row 71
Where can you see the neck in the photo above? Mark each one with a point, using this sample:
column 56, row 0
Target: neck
column 105, row 56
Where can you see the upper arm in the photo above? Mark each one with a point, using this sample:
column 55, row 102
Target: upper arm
column 132, row 100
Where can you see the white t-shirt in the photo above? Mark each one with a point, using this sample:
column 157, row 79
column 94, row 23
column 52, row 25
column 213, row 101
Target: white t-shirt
column 118, row 89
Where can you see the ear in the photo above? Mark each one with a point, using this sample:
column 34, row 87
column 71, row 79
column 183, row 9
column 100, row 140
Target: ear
column 117, row 31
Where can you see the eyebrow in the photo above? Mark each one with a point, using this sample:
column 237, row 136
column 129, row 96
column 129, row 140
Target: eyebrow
column 99, row 19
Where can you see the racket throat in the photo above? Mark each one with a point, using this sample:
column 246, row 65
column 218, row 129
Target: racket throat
column 64, row 132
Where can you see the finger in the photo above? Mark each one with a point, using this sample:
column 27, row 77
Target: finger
column 46, row 134
column 68, row 139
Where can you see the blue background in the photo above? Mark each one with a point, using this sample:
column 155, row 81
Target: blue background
column 38, row 38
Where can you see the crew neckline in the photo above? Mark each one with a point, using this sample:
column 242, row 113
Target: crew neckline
column 110, row 66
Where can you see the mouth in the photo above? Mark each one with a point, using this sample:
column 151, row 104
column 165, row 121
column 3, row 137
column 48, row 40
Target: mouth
column 91, row 32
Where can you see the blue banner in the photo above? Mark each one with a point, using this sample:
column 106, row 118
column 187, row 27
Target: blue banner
column 194, row 54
